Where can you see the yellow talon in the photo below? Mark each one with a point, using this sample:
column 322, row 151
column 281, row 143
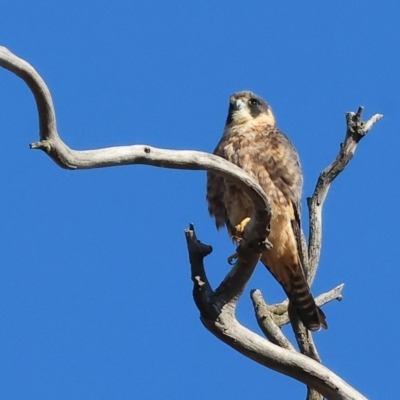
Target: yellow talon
column 238, row 237
column 242, row 226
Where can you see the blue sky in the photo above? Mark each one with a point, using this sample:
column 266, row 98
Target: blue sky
column 95, row 287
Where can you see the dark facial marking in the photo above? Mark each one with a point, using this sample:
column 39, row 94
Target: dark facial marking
column 257, row 106
column 231, row 110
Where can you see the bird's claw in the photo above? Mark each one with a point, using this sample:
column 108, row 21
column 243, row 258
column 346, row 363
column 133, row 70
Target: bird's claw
column 266, row 245
column 232, row 259
column 240, row 228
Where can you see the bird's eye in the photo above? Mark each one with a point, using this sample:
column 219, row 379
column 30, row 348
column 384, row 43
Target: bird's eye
column 254, row 102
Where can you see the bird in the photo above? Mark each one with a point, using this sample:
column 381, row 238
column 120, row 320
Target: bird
column 252, row 141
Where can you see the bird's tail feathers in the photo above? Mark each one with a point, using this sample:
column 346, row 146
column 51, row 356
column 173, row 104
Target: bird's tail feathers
column 300, row 296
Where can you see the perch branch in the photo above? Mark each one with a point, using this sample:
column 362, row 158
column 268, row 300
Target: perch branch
column 211, row 303
column 221, row 321
column 65, row 157
column 50, row 142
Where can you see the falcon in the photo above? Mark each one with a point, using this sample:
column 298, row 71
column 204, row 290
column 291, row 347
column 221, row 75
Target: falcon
column 252, row 141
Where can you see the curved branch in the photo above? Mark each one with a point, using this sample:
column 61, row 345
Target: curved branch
column 225, row 297
column 44, row 102
column 267, row 322
column 65, row 157
column 50, row 142
column 221, row 322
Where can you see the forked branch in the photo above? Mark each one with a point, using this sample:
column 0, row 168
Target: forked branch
column 219, row 318
column 356, row 130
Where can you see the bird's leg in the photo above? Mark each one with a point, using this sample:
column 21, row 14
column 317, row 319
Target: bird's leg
column 238, row 237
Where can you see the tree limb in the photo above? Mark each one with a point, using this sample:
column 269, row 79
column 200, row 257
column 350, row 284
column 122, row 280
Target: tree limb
column 356, row 130
column 267, row 322
column 220, row 321
column 279, row 311
column 67, row 158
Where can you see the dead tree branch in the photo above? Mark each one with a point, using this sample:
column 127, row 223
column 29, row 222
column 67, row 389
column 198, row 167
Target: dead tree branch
column 217, row 308
column 51, row 143
column 219, row 319
column 279, row 312
column 356, row 130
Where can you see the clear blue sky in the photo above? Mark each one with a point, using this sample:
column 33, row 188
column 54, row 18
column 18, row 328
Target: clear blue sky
column 95, row 290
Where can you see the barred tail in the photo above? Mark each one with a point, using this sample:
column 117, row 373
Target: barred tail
column 300, row 296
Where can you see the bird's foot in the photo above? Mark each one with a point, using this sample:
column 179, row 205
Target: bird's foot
column 240, row 228
column 232, row 259
column 238, row 237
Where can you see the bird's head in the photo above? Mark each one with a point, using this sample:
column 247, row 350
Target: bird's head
column 247, row 106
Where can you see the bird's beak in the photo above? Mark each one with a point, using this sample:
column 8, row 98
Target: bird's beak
column 239, row 104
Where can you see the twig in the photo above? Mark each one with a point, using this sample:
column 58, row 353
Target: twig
column 202, row 292
column 267, row 323
column 279, row 311
column 356, row 130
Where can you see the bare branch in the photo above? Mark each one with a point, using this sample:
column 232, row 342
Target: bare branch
column 44, row 102
column 202, row 292
column 224, row 326
column 51, row 143
column 227, row 294
column 279, row 311
column 275, row 335
column 356, row 130
column 334, row 294
column 267, row 323
column 231, row 288
column 65, row 157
